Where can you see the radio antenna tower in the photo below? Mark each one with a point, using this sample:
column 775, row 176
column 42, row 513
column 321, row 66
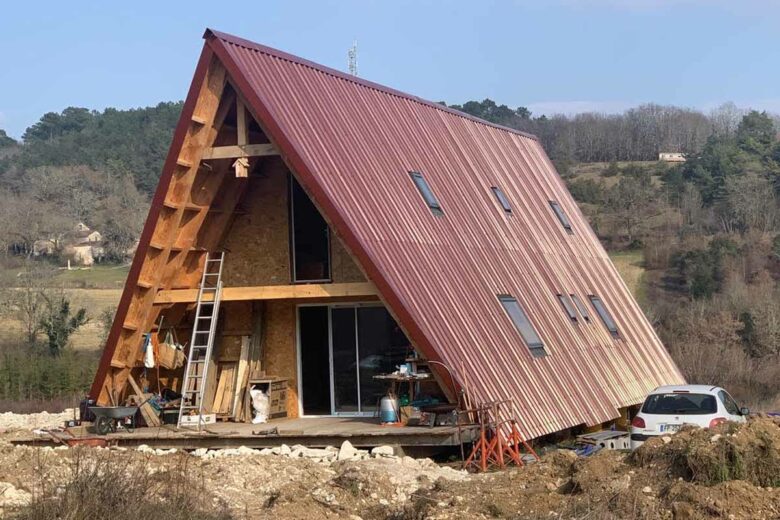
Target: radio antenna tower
column 352, row 54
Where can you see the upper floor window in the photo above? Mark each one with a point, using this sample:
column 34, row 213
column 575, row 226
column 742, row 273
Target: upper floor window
column 523, row 325
column 565, row 222
column 427, row 193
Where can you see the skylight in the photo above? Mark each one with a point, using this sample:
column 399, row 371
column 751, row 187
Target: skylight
column 523, row 325
column 604, row 314
column 502, row 199
column 427, row 193
column 561, row 216
column 580, row 307
column 567, row 306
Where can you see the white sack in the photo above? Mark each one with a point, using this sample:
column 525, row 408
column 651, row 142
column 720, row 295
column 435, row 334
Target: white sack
column 261, row 403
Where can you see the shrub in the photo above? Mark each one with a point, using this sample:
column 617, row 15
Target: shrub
column 107, row 486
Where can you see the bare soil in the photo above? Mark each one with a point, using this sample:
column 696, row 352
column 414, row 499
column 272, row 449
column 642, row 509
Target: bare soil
column 727, row 472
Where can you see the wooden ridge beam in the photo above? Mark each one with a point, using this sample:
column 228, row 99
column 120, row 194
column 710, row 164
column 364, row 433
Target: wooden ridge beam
column 236, row 151
column 274, row 292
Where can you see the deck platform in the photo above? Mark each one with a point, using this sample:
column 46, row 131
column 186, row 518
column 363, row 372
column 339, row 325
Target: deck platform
column 310, row 432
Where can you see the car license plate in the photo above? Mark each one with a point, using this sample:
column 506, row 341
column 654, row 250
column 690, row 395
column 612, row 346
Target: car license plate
column 670, row 428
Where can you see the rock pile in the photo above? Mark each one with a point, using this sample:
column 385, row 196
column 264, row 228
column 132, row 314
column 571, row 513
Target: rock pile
column 15, row 421
column 330, row 454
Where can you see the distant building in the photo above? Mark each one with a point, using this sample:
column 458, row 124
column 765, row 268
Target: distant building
column 81, row 246
column 671, row 157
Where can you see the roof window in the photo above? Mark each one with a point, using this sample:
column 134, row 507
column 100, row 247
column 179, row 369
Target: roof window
column 427, row 193
column 523, row 325
column 604, row 314
column 502, row 199
column 565, row 222
column 568, row 307
column 580, row 307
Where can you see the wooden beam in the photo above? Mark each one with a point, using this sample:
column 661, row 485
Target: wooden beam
column 274, row 292
column 234, row 152
column 242, row 137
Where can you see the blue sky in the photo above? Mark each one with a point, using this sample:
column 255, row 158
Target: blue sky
column 549, row 55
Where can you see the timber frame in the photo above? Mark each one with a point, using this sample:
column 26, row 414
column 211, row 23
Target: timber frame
column 204, row 179
column 185, row 222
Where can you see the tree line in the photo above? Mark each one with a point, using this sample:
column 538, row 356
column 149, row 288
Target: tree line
column 707, row 233
column 638, row 134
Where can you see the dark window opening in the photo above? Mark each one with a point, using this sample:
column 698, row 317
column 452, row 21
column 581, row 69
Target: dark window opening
column 502, row 199
column 580, row 307
column 567, row 306
column 310, row 238
column 523, row 325
column 565, row 222
column 427, row 193
column 604, row 314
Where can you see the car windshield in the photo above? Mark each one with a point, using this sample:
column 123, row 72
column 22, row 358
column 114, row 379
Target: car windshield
column 680, row 404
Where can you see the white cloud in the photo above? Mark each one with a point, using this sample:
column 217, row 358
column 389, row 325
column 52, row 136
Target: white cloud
column 575, row 107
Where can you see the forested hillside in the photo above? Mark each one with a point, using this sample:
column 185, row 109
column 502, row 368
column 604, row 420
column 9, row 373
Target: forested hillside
column 701, row 238
column 98, row 168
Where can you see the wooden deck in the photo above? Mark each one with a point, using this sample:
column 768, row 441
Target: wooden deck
column 310, row 432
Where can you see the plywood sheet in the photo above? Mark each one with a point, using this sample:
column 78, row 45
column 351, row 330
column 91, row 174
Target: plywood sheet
column 257, row 242
column 279, row 353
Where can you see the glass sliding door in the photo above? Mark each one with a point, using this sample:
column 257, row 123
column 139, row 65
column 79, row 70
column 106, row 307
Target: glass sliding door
column 381, row 348
column 345, row 376
column 314, row 346
column 361, row 341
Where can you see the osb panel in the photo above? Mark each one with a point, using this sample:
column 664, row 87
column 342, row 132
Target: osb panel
column 343, row 267
column 257, row 243
column 229, row 349
column 238, row 318
column 279, row 355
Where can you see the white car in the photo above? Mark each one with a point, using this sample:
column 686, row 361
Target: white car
column 668, row 408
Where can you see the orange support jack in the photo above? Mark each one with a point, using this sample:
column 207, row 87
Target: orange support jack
column 499, row 440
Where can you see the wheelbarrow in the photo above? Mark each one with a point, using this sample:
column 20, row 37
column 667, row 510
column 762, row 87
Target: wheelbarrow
column 109, row 418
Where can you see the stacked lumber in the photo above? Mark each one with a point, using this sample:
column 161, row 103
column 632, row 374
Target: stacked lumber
column 147, row 410
column 223, row 398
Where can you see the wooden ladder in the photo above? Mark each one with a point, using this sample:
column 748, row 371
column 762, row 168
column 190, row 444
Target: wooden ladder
column 202, row 341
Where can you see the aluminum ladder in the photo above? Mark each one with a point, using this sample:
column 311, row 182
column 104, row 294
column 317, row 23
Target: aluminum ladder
column 202, row 341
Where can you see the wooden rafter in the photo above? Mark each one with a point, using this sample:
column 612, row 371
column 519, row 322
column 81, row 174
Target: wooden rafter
column 142, row 313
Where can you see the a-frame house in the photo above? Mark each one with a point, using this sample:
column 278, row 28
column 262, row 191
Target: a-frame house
column 361, row 226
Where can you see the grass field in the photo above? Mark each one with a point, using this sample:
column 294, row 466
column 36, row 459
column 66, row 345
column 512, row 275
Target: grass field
column 630, row 266
column 95, row 289
column 88, row 336
column 595, row 171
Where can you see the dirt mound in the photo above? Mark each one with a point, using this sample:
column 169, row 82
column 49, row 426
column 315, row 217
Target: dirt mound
column 749, row 452
column 729, row 472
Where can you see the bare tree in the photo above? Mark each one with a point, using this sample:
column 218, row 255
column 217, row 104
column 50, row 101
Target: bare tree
column 26, row 300
column 749, row 203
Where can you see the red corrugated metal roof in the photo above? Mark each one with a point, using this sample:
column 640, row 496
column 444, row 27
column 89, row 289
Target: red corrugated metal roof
column 352, row 143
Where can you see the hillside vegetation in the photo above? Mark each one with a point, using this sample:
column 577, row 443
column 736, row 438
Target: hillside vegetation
column 697, row 242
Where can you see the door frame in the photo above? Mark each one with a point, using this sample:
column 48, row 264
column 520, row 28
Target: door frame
column 329, row 306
